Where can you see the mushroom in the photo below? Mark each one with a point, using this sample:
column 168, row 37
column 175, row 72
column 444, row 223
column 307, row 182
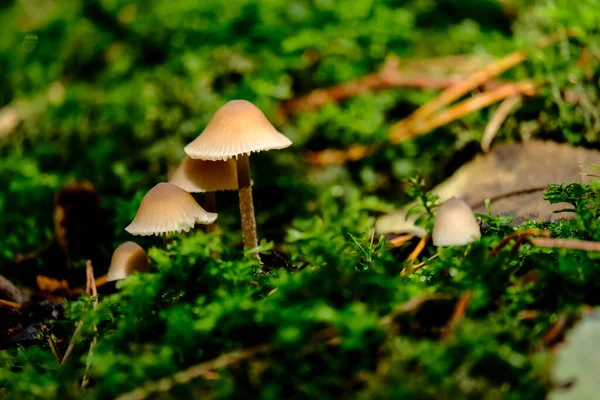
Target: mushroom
column 128, row 258
column 237, row 129
column 168, row 208
column 199, row 176
column 455, row 224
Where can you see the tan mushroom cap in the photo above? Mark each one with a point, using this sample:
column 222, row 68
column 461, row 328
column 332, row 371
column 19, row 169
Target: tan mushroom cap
column 238, row 127
column 455, row 224
column 128, row 258
column 168, row 208
column 198, row 176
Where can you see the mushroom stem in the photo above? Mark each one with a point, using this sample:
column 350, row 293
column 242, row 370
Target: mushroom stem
column 210, row 205
column 246, row 204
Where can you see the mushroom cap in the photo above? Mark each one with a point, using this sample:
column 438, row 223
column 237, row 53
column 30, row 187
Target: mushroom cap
column 168, row 208
column 455, row 224
column 197, row 176
column 238, row 127
column 128, row 258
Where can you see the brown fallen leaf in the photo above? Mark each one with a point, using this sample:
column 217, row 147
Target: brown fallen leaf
column 513, row 176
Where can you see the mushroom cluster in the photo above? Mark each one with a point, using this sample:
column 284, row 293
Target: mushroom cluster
column 218, row 159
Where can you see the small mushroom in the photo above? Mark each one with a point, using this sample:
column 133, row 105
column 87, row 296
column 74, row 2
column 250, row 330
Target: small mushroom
column 237, row 129
column 455, row 224
column 128, row 258
column 199, row 176
column 168, row 208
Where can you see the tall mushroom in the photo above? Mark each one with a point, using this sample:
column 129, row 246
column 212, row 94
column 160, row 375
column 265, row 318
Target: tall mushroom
column 237, row 129
column 168, row 208
column 128, row 258
column 199, row 176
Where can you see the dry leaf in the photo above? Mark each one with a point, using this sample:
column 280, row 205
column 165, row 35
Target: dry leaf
column 513, row 176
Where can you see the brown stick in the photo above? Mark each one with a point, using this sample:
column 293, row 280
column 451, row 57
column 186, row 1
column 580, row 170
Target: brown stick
column 204, row 369
column 249, row 235
column 407, row 129
column 499, row 116
column 9, row 304
column 459, row 313
column 392, row 74
column 92, row 284
column 566, row 244
column 515, row 235
column 51, row 343
column 477, row 78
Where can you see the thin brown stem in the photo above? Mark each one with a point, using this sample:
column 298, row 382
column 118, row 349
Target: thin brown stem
column 204, row 369
column 210, row 205
column 249, row 235
column 92, row 281
column 51, row 343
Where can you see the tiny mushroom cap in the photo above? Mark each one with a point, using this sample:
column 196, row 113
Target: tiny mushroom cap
column 168, row 208
column 455, row 224
column 128, row 258
column 198, row 176
column 238, row 127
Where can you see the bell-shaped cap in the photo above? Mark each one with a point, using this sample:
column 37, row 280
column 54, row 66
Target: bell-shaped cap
column 455, row 224
column 128, row 258
column 168, row 208
column 238, row 127
column 197, row 176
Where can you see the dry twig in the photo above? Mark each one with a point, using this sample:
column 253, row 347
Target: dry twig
column 572, row 244
column 499, row 116
column 205, row 369
column 459, row 313
column 92, row 284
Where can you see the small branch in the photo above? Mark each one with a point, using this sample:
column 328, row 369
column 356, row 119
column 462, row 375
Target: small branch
column 336, row 156
column 9, row 304
column 499, row 116
column 459, row 313
column 205, row 370
column 516, row 235
column 51, row 343
column 92, row 285
column 400, row 240
column 72, row 342
column 410, row 128
column 481, row 76
column 419, row 266
column 573, row 244
column 388, row 76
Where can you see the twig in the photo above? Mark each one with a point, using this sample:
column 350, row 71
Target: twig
column 400, row 240
column 51, row 343
column 479, row 77
column 459, row 313
column 515, row 235
column 339, row 156
column 553, row 334
column 72, row 342
column 573, row 244
column 9, row 304
column 92, row 284
column 419, row 249
column 390, row 75
column 419, row 265
column 204, row 369
column 499, row 116
column 407, row 129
